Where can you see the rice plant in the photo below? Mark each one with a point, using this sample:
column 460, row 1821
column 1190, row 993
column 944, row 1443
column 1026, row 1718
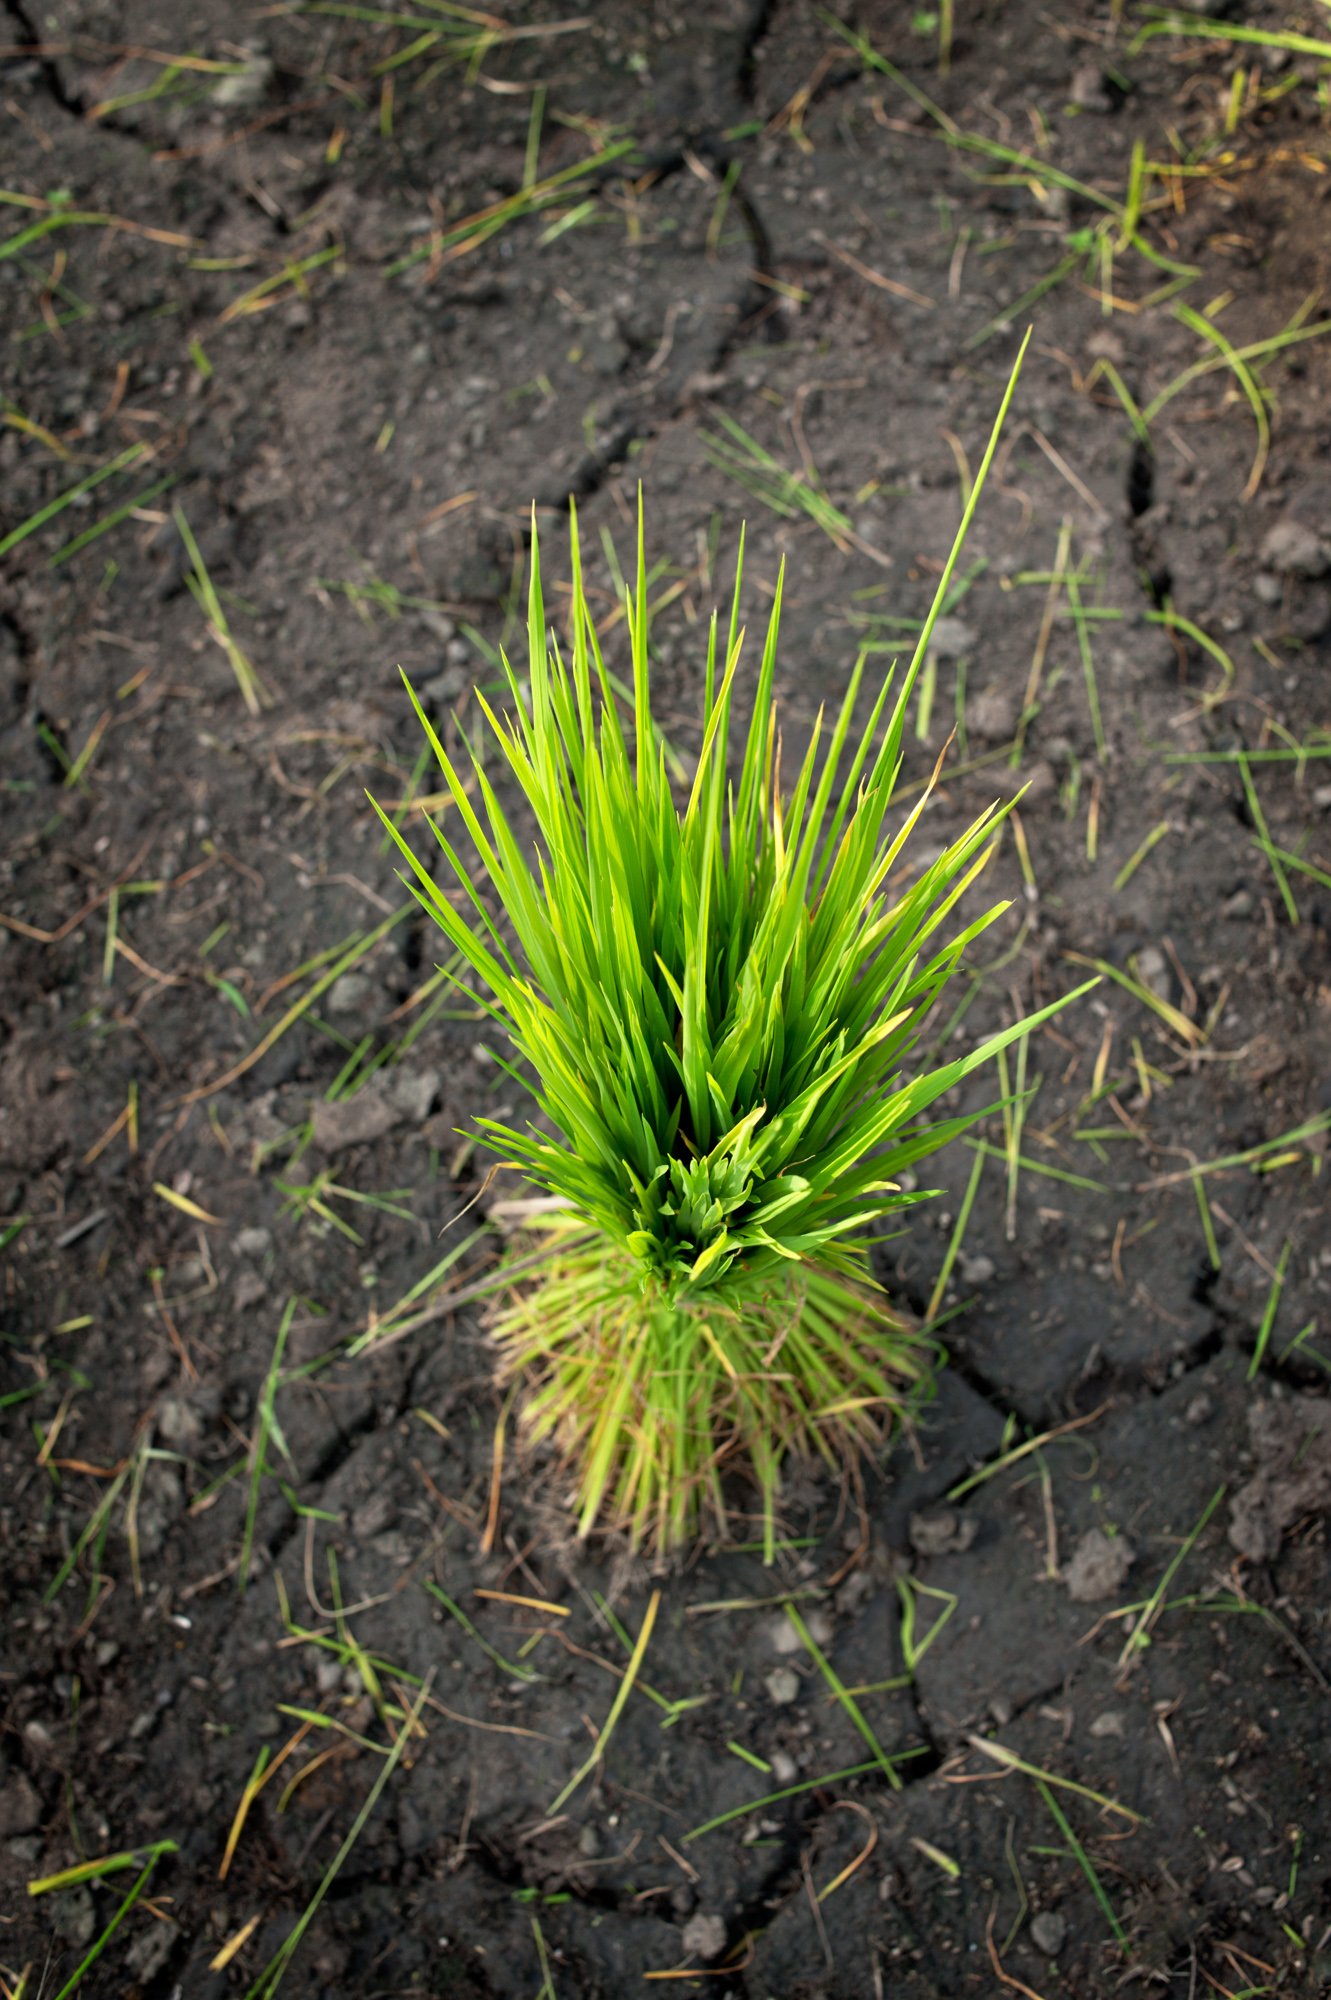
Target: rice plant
column 713, row 995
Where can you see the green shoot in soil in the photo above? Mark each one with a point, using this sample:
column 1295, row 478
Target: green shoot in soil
column 71, row 494
column 265, row 1426
column 1096, row 246
column 144, row 1859
column 252, row 690
column 1045, row 1782
column 271, row 1978
column 914, row 1646
column 473, row 230
column 786, row 493
column 945, row 1863
column 1009, row 1759
column 954, row 1241
column 98, row 1525
column 455, row 1611
column 1008, row 1458
column 1269, row 1313
column 616, row 1707
column 1265, row 843
column 1174, row 23
column 843, row 1695
column 111, row 520
column 793, row 1791
column 1140, row 1635
column 547, row 1988
column 343, row 957
column 1236, row 360
column 1084, row 1862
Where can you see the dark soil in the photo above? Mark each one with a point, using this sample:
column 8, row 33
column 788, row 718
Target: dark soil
column 166, row 899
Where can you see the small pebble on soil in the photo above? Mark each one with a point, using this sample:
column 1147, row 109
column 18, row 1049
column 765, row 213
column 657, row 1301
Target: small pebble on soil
column 1049, row 1932
column 1153, row 971
column 783, row 1685
column 351, row 993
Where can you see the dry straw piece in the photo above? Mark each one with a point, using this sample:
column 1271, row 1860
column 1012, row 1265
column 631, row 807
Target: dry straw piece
column 714, row 1000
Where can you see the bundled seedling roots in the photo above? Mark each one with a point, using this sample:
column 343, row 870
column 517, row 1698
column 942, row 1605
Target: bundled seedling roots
column 650, row 1399
column 715, row 997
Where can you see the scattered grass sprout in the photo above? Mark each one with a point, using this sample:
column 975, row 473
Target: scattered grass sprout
column 271, row 1977
column 842, row 1694
column 824, row 1779
column 253, row 693
column 144, row 1860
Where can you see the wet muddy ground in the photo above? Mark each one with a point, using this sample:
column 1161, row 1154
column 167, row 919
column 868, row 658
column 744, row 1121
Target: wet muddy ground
column 302, row 307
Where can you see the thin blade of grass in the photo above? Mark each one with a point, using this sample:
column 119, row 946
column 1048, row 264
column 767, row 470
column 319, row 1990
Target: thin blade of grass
column 1139, row 1636
column 616, row 1707
column 271, row 1977
column 1083, row 1861
column 793, row 1791
column 94, row 1871
column 129, row 456
column 1000, row 1754
column 842, row 1694
column 1264, row 841
column 1269, row 1312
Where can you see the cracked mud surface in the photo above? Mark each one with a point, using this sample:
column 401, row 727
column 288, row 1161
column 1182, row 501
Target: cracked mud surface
column 355, row 449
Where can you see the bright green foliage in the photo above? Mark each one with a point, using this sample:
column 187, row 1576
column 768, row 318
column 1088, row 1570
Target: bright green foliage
column 714, row 1001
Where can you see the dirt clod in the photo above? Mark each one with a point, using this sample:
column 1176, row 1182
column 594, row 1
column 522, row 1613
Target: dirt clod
column 374, row 1110
column 947, row 1531
column 20, row 1806
column 704, row 1936
column 1291, row 1442
column 1088, row 89
column 1098, row 1566
column 75, row 1916
column 992, row 717
column 953, row 638
column 1292, row 549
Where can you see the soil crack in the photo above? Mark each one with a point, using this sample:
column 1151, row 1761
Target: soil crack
column 329, row 1463
column 25, row 651
column 31, row 41
column 761, row 14
column 979, row 1383
column 595, row 467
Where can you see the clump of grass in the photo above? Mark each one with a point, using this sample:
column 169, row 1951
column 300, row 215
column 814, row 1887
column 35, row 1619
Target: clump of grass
column 715, row 1000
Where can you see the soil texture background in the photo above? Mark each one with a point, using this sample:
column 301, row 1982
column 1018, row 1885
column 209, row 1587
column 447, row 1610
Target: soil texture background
column 302, row 308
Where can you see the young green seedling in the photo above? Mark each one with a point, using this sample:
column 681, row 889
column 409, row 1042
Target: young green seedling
column 715, row 997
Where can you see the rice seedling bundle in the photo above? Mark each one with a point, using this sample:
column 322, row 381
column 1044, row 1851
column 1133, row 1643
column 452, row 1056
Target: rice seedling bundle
column 715, row 993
